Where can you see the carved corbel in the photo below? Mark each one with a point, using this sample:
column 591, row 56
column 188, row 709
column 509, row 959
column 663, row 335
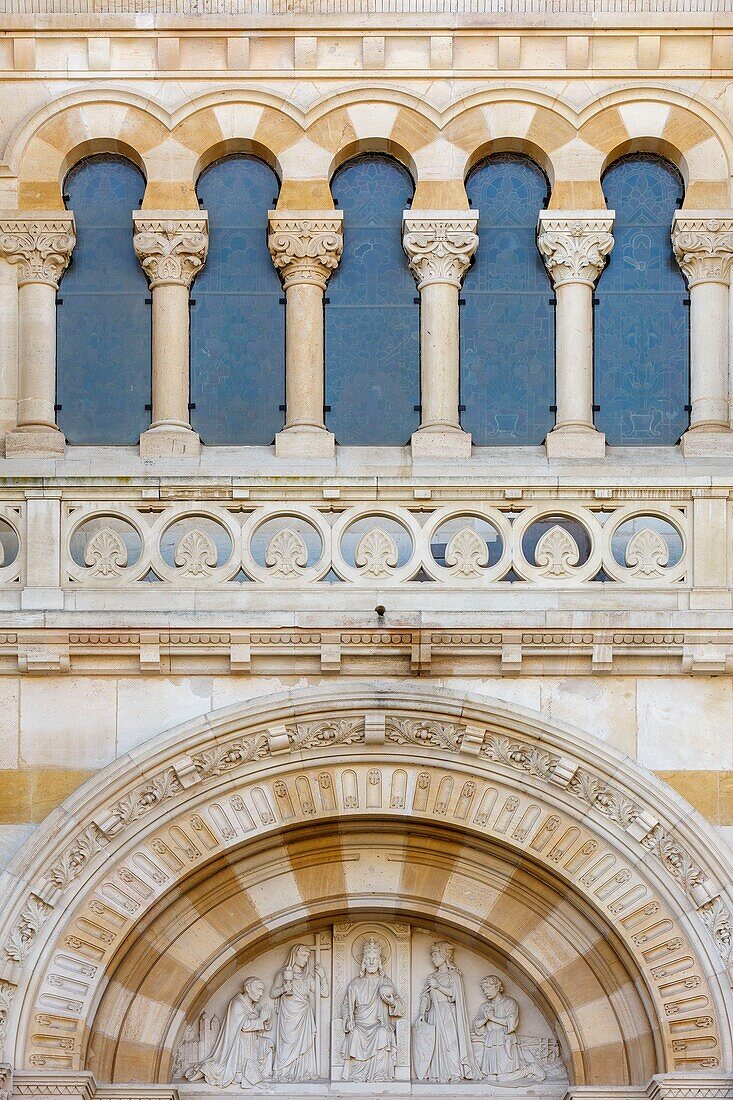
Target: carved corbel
column 306, row 247
column 440, row 249
column 575, row 249
column 171, row 250
column 40, row 245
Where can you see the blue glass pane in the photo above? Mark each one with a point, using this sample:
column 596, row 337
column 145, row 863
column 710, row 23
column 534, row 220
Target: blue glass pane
column 238, row 323
column 372, row 322
column 103, row 323
column 507, row 322
column 641, row 321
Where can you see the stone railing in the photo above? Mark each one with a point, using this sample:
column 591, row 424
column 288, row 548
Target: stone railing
column 376, row 545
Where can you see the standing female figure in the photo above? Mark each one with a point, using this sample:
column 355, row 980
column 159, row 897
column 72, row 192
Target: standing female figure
column 442, row 1032
column 296, row 1054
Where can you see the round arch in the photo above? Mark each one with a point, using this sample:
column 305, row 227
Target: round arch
column 509, row 815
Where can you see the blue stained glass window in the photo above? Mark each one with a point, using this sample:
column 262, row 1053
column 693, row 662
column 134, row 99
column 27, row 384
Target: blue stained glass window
column 507, row 321
column 641, row 321
column 103, row 322
column 372, row 322
column 238, row 321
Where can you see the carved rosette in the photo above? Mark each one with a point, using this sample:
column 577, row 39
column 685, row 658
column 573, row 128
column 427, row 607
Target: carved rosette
column 439, row 248
column 575, row 247
column 40, row 246
column 171, row 249
column 703, row 246
column 306, row 247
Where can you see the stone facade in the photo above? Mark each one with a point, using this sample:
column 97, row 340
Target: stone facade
column 259, row 738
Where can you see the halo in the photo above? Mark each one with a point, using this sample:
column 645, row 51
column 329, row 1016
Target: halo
column 357, row 947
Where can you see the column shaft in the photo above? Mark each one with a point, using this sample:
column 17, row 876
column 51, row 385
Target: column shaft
column 575, row 246
column 37, row 342
column 8, row 346
column 171, row 248
column 304, row 378
column 703, row 245
column 41, row 246
column 306, row 248
column 440, row 246
column 574, row 356
column 439, row 356
column 170, row 356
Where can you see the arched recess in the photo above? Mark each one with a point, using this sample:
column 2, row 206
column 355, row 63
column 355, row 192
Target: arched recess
column 103, row 323
column 237, row 321
column 596, row 884
column 372, row 321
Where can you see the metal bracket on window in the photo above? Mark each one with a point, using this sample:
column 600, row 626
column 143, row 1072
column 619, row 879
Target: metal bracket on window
column 685, row 301
column 688, row 408
column 461, row 408
column 552, row 301
column 148, row 408
column 192, row 406
column 416, row 301
column 552, row 408
column 192, row 301
column 461, row 301
column 327, row 301
column 282, row 408
column 596, row 408
column 417, row 408
column 58, row 408
column 281, row 301
column 596, row 301
column 59, row 301
column 327, row 408
column 148, row 301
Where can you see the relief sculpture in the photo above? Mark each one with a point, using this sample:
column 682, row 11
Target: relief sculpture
column 442, row 1047
column 495, row 1026
column 296, row 1056
column 388, row 1006
column 243, row 1052
column 368, row 1011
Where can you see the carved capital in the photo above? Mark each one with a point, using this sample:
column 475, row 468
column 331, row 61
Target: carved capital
column 575, row 245
column 703, row 245
column 40, row 244
column 306, row 246
column 440, row 245
column 171, row 247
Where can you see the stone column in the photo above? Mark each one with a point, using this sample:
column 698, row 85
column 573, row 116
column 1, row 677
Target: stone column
column 171, row 248
column 41, row 245
column 703, row 245
column 575, row 246
column 439, row 246
column 306, row 247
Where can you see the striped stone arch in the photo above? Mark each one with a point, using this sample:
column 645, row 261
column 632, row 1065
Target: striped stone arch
column 597, row 887
column 655, row 122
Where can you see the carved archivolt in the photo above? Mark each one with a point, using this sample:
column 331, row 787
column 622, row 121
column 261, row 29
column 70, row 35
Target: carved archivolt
column 610, row 837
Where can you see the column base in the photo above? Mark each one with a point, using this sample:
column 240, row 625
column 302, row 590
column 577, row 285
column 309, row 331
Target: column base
column 35, row 443
column 699, row 443
column 440, row 443
column 305, row 442
column 169, row 441
column 575, row 443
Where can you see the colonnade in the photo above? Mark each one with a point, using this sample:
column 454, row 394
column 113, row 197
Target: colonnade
column 306, row 248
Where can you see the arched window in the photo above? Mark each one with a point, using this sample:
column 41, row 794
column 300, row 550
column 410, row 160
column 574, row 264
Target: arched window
column 641, row 320
column 508, row 319
column 237, row 322
column 103, row 321
column 372, row 322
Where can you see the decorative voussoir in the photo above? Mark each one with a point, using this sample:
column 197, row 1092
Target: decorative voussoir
column 575, row 246
column 439, row 248
column 306, row 247
column 703, row 245
column 171, row 248
column 40, row 246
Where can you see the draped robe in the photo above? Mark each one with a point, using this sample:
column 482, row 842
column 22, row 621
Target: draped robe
column 445, row 1010
column 241, row 1052
column 496, row 1024
column 370, row 1048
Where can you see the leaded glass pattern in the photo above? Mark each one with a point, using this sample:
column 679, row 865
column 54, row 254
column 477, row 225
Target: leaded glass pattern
column 507, row 319
column 238, row 320
column 103, row 321
column 641, row 320
column 372, row 321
